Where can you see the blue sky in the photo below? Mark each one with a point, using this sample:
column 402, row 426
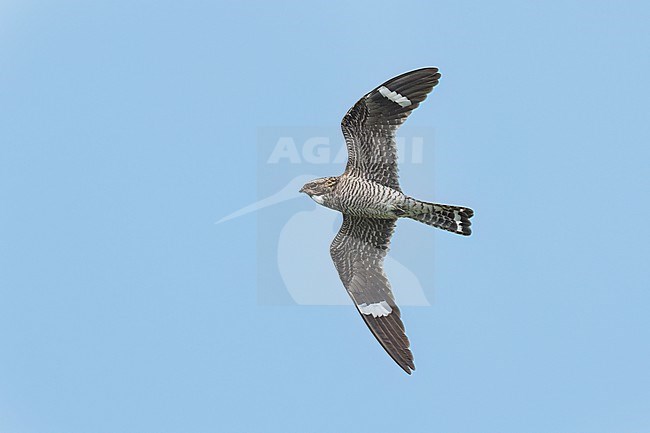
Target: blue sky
column 128, row 128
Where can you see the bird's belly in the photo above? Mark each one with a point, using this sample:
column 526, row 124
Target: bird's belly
column 376, row 202
column 370, row 212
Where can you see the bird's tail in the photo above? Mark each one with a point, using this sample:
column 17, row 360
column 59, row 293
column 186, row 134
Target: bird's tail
column 451, row 218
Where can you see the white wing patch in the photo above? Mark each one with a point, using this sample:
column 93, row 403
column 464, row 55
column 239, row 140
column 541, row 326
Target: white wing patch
column 394, row 96
column 378, row 309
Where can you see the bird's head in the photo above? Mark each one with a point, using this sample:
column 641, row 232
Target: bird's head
column 318, row 188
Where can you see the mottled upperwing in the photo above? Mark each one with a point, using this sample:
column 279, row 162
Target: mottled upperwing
column 358, row 252
column 369, row 127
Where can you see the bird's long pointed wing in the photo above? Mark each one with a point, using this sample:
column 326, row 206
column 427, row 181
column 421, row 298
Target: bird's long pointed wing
column 358, row 252
column 369, row 126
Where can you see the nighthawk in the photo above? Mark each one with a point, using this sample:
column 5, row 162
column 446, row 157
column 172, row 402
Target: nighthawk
column 369, row 196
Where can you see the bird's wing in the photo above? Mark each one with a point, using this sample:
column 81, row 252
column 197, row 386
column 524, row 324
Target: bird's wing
column 358, row 252
column 369, row 127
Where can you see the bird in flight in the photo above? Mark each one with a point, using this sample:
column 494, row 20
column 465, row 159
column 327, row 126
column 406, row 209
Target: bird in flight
column 369, row 196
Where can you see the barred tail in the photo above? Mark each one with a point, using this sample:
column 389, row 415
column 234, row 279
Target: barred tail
column 451, row 218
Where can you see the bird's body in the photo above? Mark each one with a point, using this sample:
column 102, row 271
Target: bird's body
column 370, row 198
column 364, row 198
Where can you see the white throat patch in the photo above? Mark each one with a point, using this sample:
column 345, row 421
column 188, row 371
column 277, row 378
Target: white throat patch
column 318, row 199
column 378, row 309
column 394, row 96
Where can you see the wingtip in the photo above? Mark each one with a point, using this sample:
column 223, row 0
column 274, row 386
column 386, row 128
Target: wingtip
column 407, row 362
column 408, row 369
column 427, row 68
column 431, row 70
